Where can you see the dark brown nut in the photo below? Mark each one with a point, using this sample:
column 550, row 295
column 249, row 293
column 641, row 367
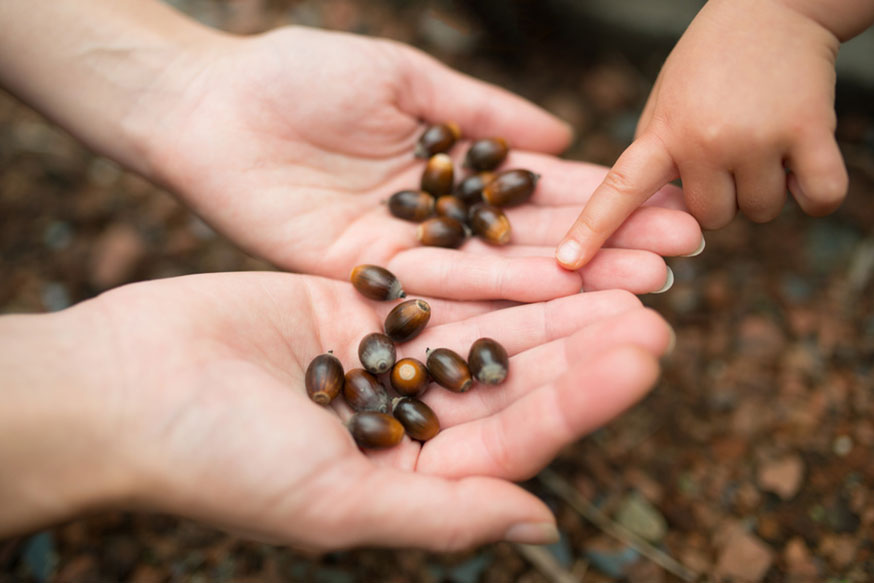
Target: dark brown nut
column 324, row 378
column 486, row 154
column 374, row 430
column 510, row 187
column 377, row 353
column 441, row 232
column 376, row 283
column 409, row 377
column 407, row 320
column 364, row 393
column 449, row 370
column 490, row 224
column 437, row 138
column 488, row 361
column 451, row 206
column 439, row 175
column 418, row 419
column 411, row 205
column 470, row 190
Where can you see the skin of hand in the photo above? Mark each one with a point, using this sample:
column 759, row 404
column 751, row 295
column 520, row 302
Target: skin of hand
column 186, row 396
column 742, row 110
column 290, row 142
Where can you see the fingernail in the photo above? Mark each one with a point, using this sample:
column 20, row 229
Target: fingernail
column 669, row 281
column 532, row 533
column 698, row 250
column 568, row 252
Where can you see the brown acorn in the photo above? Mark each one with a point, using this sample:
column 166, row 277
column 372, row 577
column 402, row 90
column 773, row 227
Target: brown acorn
column 374, row 430
column 490, row 224
column 418, row 419
column 364, row 393
column 411, row 205
column 409, row 377
column 486, row 154
column 377, row 353
column 449, row 370
column 376, row 283
column 437, row 138
column 510, row 187
column 441, row 232
column 438, row 176
column 488, row 361
column 470, row 190
column 324, row 378
column 451, row 206
column 407, row 320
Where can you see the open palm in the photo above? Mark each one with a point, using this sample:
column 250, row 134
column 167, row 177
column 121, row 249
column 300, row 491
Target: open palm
column 289, row 142
column 209, row 408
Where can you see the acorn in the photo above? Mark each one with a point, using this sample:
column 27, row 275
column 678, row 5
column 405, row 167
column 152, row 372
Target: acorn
column 436, row 139
column 449, row 370
column 451, row 206
column 438, row 176
column 364, row 393
column 409, row 377
column 490, row 224
column 510, row 187
column 374, row 430
column 324, row 378
column 377, row 353
column 376, row 283
column 470, row 190
column 407, row 320
column 486, row 154
column 488, row 361
column 411, row 205
column 441, row 232
column 418, row 419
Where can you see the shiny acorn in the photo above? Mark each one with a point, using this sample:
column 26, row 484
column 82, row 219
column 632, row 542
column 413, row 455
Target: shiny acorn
column 510, row 187
column 376, row 283
column 449, row 370
column 490, row 224
column 441, row 232
column 324, row 378
column 374, row 430
column 486, row 154
column 470, row 190
column 488, row 361
column 377, row 353
column 409, row 377
column 439, row 175
column 436, row 139
column 451, row 206
column 418, row 419
column 364, row 393
column 407, row 320
column 411, row 205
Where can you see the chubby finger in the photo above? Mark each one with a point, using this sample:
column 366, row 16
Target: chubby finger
column 710, row 194
column 818, row 178
column 761, row 189
column 520, row 440
column 639, row 172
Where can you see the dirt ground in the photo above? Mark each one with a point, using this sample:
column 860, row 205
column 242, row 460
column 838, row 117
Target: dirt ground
column 750, row 461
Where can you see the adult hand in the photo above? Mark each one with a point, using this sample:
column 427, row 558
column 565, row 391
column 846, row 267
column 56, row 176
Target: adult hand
column 186, row 396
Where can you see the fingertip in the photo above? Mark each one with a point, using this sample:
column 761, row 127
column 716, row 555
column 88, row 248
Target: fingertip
column 818, row 177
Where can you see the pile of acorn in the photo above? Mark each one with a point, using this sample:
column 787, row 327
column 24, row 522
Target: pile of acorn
column 379, row 420
column 448, row 211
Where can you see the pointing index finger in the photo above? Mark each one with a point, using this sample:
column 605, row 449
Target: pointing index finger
column 642, row 169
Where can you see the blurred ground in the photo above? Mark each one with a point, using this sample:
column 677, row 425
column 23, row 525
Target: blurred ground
column 752, row 459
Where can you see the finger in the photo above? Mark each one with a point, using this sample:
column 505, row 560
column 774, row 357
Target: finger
column 761, row 189
column 819, row 179
column 639, row 172
column 546, row 362
column 710, row 195
column 517, row 442
column 436, row 93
